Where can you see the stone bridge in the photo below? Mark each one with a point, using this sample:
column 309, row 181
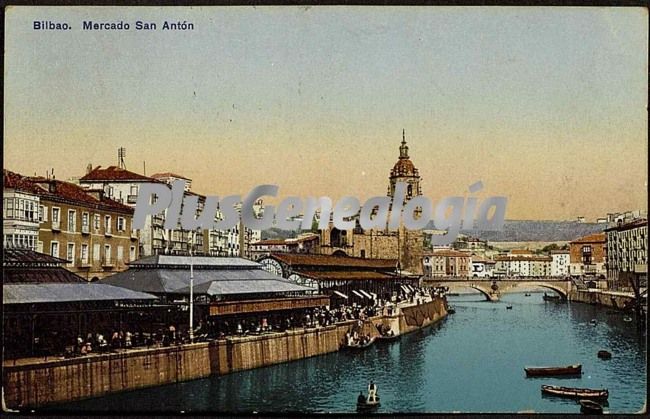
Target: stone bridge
column 492, row 288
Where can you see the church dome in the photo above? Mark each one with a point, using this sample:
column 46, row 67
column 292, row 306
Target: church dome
column 404, row 165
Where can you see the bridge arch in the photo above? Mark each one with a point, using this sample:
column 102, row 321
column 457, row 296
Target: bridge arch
column 489, row 295
column 559, row 290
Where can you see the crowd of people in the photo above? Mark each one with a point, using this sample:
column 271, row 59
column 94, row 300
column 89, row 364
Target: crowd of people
column 216, row 328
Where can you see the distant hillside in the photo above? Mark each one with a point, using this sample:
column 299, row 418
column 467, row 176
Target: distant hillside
column 543, row 231
column 513, row 231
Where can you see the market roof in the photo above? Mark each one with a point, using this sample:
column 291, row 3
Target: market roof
column 165, row 280
column 18, row 256
column 59, row 293
column 199, row 262
column 295, row 259
column 259, row 286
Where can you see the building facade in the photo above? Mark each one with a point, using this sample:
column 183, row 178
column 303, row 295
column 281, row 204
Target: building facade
column 587, row 256
column 627, row 254
column 20, row 211
column 560, row 263
column 447, row 263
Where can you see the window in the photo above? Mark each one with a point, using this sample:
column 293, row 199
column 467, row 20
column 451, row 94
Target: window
column 107, row 253
column 70, row 253
column 84, row 253
column 132, row 253
column 39, row 247
column 120, row 253
column 72, row 220
column 96, row 255
column 121, row 224
column 55, row 215
column 30, row 212
column 54, row 249
column 97, row 221
column 107, row 223
column 85, row 219
column 41, row 212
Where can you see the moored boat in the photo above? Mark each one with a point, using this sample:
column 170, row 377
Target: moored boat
column 361, row 344
column 508, row 307
column 576, row 393
column 551, row 297
column 553, row 371
column 604, row 354
column 590, row 407
column 388, row 337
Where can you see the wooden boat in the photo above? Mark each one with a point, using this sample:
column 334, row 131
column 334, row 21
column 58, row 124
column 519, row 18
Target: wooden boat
column 553, row 371
column 508, row 307
column 368, row 406
column 604, row 354
column 388, row 338
column 627, row 319
column 551, row 297
column 361, row 345
column 576, row 393
column 527, row 295
column 590, row 407
column 451, row 310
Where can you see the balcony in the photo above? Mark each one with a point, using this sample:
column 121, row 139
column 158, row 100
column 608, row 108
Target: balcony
column 134, row 234
column 85, row 229
column 108, row 262
column 56, row 225
column 108, row 232
column 83, row 263
column 131, row 199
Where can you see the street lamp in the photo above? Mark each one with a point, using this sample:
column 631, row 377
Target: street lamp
column 192, row 238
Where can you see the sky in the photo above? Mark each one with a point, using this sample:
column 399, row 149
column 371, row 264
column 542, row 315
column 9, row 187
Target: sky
column 546, row 106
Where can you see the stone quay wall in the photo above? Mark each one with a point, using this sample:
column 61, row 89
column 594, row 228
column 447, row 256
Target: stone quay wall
column 601, row 298
column 43, row 383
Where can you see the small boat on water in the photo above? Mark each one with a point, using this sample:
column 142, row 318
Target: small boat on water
column 390, row 336
column 451, row 310
column 553, row 371
column 576, row 393
column 508, row 307
column 370, row 402
column 590, row 407
column 593, row 322
column 551, row 297
column 527, row 295
column 604, row 354
column 361, row 344
column 627, row 319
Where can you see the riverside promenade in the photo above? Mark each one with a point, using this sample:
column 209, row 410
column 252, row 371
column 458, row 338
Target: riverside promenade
column 35, row 382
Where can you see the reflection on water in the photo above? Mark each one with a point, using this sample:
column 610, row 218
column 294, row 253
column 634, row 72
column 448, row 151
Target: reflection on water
column 471, row 362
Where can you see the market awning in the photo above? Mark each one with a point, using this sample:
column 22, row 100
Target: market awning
column 406, row 290
column 340, row 294
column 366, row 294
column 357, row 294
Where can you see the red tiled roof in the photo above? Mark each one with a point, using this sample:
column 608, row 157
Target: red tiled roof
column 295, row 259
column 592, row 238
column 69, row 192
column 270, row 242
column 521, row 252
column 13, row 180
column 114, row 174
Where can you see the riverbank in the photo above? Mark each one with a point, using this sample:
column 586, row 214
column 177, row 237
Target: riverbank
column 41, row 383
column 612, row 299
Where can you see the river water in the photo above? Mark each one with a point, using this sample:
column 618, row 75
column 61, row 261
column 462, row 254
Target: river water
column 470, row 362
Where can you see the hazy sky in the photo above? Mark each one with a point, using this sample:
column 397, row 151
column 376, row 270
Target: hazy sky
column 546, row 106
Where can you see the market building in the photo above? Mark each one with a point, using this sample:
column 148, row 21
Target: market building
column 344, row 279
column 48, row 308
column 226, row 291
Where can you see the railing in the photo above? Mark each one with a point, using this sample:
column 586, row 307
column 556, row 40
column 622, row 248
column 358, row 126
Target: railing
column 131, row 199
column 108, row 262
column 134, row 234
column 85, row 229
column 56, row 225
column 108, row 231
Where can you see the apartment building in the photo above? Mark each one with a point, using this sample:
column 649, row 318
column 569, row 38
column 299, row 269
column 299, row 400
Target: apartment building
column 627, row 254
column 587, row 256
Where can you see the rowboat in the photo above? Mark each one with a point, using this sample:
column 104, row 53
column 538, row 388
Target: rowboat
column 553, row 371
column 590, row 407
column 361, row 345
column 576, row 393
column 508, row 307
column 604, row 354
column 368, row 405
column 388, row 338
column 551, row 297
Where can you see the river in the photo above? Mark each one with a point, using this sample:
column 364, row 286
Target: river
column 470, row 362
